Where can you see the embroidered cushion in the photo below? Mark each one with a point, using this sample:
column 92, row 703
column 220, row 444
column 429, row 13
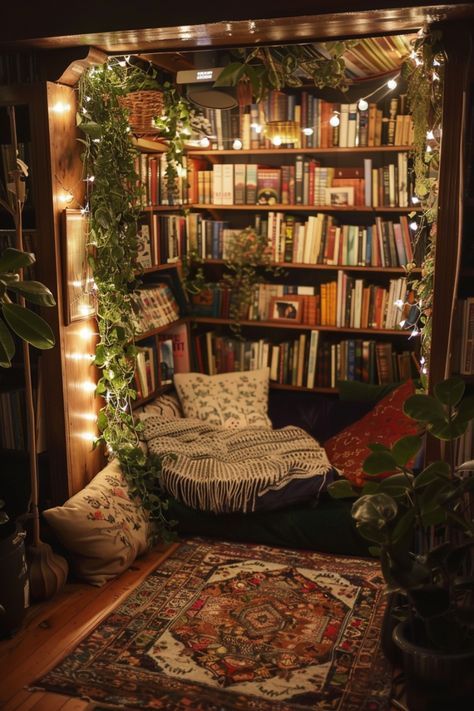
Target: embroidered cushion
column 385, row 424
column 229, row 400
column 102, row 527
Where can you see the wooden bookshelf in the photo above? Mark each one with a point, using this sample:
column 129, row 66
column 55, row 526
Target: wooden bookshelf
column 160, row 329
column 284, row 325
column 304, row 208
column 328, row 267
column 210, row 153
column 282, row 386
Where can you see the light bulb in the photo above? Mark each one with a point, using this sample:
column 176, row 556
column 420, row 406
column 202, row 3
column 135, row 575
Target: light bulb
column 60, row 107
column 415, row 200
column 422, row 360
column 205, row 142
column 65, row 198
column 308, row 131
column 424, row 370
column 392, row 84
column 363, row 105
column 429, row 149
column 88, row 416
column 276, row 140
column 237, row 144
column 399, row 303
column 122, row 63
column 402, row 323
column 430, row 136
column 413, row 226
column 88, row 436
column 334, row 120
column 88, row 386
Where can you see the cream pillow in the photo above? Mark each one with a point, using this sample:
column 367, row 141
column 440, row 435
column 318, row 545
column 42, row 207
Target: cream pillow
column 228, row 400
column 104, row 529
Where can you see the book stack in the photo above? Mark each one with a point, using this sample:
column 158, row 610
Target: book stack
column 156, row 306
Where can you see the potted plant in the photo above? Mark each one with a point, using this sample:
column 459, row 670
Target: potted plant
column 421, row 526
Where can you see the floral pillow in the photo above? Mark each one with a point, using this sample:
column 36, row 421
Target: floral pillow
column 385, row 424
column 102, row 527
column 228, row 400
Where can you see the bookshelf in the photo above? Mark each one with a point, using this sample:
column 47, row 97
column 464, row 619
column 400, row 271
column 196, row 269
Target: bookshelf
column 379, row 199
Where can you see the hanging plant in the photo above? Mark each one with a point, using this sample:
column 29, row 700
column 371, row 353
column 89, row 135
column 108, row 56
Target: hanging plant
column 288, row 66
column 424, row 74
column 113, row 206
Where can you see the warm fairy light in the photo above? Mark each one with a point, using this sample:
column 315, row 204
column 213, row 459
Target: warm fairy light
column 90, row 178
column 88, row 416
column 252, row 27
column 413, row 225
column 392, row 84
column 430, row 136
column 86, row 333
column 334, row 120
column 204, row 142
column 88, row 436
column 414, row 333
column 402, row 323
column 424, row 370
column 276, row 140
column 60, row 107
column 308, row 131
column 85, row 309
column 122, row 63
column 429, row 149
column 237, row 144
column 65, row 197
column 399, row 303
column 422, row 360
column 88, row 386
column 415, row 200
column 363, row 105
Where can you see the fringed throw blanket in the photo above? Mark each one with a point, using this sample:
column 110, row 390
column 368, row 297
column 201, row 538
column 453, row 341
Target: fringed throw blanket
column 215, row 469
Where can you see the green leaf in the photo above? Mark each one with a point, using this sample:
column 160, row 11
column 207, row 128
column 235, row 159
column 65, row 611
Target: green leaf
column 376, row 447
column 7, row 346
column 370, row 487
column 28, row 326
column 92, row 129
column 435, row 470
column 341, row 489
column 13, row 259
column 371, row 532
column 228, row 74
column 34, row 291
column 450, row 391
column 423, row 408
column 465, row 411
column 102, row 421
column 448, row 430
column 404, row 526
column 406, row 448
column 396, row 485
column 379, row 463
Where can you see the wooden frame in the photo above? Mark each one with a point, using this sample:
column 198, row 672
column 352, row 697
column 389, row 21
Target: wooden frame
column 287, row 308
column 77, row 280
column 341, row 196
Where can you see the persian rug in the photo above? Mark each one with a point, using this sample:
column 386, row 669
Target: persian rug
column 234, row 626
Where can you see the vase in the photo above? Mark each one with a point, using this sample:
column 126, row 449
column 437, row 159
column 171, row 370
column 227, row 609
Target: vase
column 435, row 681
column 14, row 589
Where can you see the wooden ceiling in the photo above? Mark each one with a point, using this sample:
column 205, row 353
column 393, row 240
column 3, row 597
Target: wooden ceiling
column 151, row 31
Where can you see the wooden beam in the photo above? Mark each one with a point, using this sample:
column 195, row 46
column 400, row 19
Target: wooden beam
column 65, row 66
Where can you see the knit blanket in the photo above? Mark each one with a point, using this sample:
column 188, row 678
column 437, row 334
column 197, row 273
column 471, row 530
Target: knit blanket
column 223, row 470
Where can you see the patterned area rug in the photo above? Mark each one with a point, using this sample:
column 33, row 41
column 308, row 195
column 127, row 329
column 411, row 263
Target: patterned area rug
column 232, row 626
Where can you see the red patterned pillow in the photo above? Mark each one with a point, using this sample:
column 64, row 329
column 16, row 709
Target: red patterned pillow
column 385, row 424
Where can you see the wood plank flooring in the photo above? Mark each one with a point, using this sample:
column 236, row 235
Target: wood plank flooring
column 55, row 627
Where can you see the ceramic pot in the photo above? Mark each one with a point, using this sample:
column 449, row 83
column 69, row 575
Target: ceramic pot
column 435, row 681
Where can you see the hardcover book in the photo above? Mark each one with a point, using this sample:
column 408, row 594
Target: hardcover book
column 268, row 186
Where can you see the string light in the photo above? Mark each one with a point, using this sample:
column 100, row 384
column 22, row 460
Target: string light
column 88, row 386
column 88, row 436
column 334, row 120
column 237, row 144
column 60, row 107
column 308, row 131
column 415, row 200
column 392, row 84
column 276, row 140
column 430, row 136
column 86, row 333
column 204, row 142
column 413, row 226
column 363, row 105
column 66, row 197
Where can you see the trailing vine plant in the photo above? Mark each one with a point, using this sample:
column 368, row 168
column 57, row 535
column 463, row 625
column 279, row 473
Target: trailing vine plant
column 113, row 207
column 424, row 74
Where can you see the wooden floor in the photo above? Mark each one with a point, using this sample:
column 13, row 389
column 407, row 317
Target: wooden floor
column 53, row 628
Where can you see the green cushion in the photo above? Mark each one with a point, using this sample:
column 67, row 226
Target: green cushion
column 327, row 527
column 354, row 391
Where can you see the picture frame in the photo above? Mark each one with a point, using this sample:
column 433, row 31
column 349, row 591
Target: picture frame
column 79, row 301
column 288, row 309
column 341, row 196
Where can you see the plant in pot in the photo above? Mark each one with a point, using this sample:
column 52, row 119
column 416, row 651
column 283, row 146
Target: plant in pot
column 421, row 525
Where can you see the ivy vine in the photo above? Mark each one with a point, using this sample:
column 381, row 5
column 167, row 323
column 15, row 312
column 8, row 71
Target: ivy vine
column 113, row 205
column 424, row 72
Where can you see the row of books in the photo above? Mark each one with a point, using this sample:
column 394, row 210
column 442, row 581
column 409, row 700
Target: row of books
column 386, row 124
column 166, row 241
column 155, row 306
column 303, row 361
column 151, row 169
column 305, row 182
column 320, row 239
column 343, row 303
column 159, row 357
column 13, row 419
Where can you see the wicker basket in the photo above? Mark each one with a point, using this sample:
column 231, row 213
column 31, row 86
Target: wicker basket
column 143, row 107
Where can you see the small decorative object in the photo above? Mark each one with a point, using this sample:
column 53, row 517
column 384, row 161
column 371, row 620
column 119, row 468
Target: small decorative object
column 287, row 308
column 78, row 293
column 143, row 107
column 421, row 526
column 340, row 197
column 282, row 132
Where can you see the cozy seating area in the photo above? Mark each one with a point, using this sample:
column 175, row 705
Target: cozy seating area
column 236, row 358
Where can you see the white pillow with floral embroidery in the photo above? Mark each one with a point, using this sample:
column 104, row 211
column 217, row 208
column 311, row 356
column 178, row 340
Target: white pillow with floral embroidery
column 102, row 527
column 228, row 400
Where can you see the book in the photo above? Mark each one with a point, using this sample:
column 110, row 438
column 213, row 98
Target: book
column 166, row 361
column 268, row 186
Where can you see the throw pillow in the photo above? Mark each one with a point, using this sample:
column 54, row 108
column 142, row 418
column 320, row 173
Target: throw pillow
column 102, row 527
column 385, row 424
column 230, row 400
column 165, row 406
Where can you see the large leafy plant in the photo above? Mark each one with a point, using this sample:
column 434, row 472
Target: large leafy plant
column 420, row 523
column 17, row 317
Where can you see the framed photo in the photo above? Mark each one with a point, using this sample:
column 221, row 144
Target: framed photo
column 340, row 196
column 79, row 299
column 287, row 308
